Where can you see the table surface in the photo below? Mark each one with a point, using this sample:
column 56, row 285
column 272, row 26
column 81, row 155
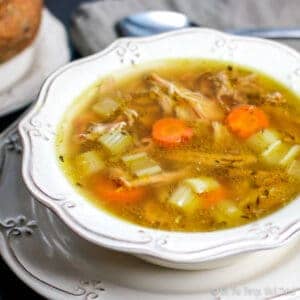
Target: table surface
column 10, row 286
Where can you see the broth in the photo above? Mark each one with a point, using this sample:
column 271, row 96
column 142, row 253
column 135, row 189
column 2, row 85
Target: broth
column 184, row 145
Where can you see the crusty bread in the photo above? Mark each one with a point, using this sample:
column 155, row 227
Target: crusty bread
column 19, row 24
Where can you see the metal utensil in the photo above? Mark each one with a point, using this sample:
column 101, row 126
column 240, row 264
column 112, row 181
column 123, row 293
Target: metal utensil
column 154, row 22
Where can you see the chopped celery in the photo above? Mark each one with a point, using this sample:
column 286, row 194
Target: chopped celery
column 294, row 169
column 291, row 155
column 202, row 184
column 116, row 142
column 222, row 136
column 147, row 170
column 140, row 164
column 275, row 153
column 184, row 198
column 106, row 107
column 132, row 157
column 89, row 162
column 263, row 139
column 228, row 212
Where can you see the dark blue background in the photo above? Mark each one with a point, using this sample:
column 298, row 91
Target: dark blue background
column 10, row 286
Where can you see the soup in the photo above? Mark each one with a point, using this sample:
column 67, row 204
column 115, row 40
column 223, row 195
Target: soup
column 184, row 145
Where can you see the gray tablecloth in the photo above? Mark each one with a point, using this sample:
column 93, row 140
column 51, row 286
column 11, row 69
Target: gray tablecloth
column 93, row 23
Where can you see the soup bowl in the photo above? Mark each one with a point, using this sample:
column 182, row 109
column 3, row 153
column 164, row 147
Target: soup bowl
column 48, row 184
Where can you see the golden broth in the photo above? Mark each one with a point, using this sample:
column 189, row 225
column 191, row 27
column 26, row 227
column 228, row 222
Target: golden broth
column 213, row 171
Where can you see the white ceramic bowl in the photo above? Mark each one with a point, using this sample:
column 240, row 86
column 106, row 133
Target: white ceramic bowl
column 48, row 184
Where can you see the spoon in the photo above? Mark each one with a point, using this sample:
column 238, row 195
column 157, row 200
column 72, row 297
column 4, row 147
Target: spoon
column 154, row 22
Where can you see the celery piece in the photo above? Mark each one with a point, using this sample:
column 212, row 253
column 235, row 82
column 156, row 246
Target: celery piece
column 89, row 162
column 228, row 212
column 222, row 136
column 275, row 153
column 140, row 164
column 147, row 170
column 291, row 155
column 116, row 142
column 202, row 184
column 105, row 108
column 127, row 159
column 183, row 197
column 294, row 169
column 263, row 139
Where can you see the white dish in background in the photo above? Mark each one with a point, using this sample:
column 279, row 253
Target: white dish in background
column 60, row 265
column 49, row 51
column 15, row 68
column 46, row 181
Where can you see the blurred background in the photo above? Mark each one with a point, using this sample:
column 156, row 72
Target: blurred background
column 62, row 9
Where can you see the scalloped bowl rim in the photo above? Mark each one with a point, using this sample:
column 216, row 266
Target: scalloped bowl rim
column 266, row 233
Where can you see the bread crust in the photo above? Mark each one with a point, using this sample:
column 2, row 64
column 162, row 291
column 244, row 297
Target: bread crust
column 19, row 24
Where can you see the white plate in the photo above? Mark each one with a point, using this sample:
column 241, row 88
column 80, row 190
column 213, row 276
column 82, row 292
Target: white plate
column 51, row 52
column 15, row 68
column 58, row 264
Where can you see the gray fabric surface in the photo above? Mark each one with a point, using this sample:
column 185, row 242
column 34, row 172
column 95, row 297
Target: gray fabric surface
column 93, row 23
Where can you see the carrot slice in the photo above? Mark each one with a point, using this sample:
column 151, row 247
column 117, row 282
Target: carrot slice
column 170, row 132
column 109, row 190
column 245, row 120
column 212, row 198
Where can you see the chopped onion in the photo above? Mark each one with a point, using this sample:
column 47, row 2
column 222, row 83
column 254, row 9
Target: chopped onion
column 228, row 212
column 105, row 108
column 89, row 162
column 184, row 198
column 202, row 184
column 186, row 195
